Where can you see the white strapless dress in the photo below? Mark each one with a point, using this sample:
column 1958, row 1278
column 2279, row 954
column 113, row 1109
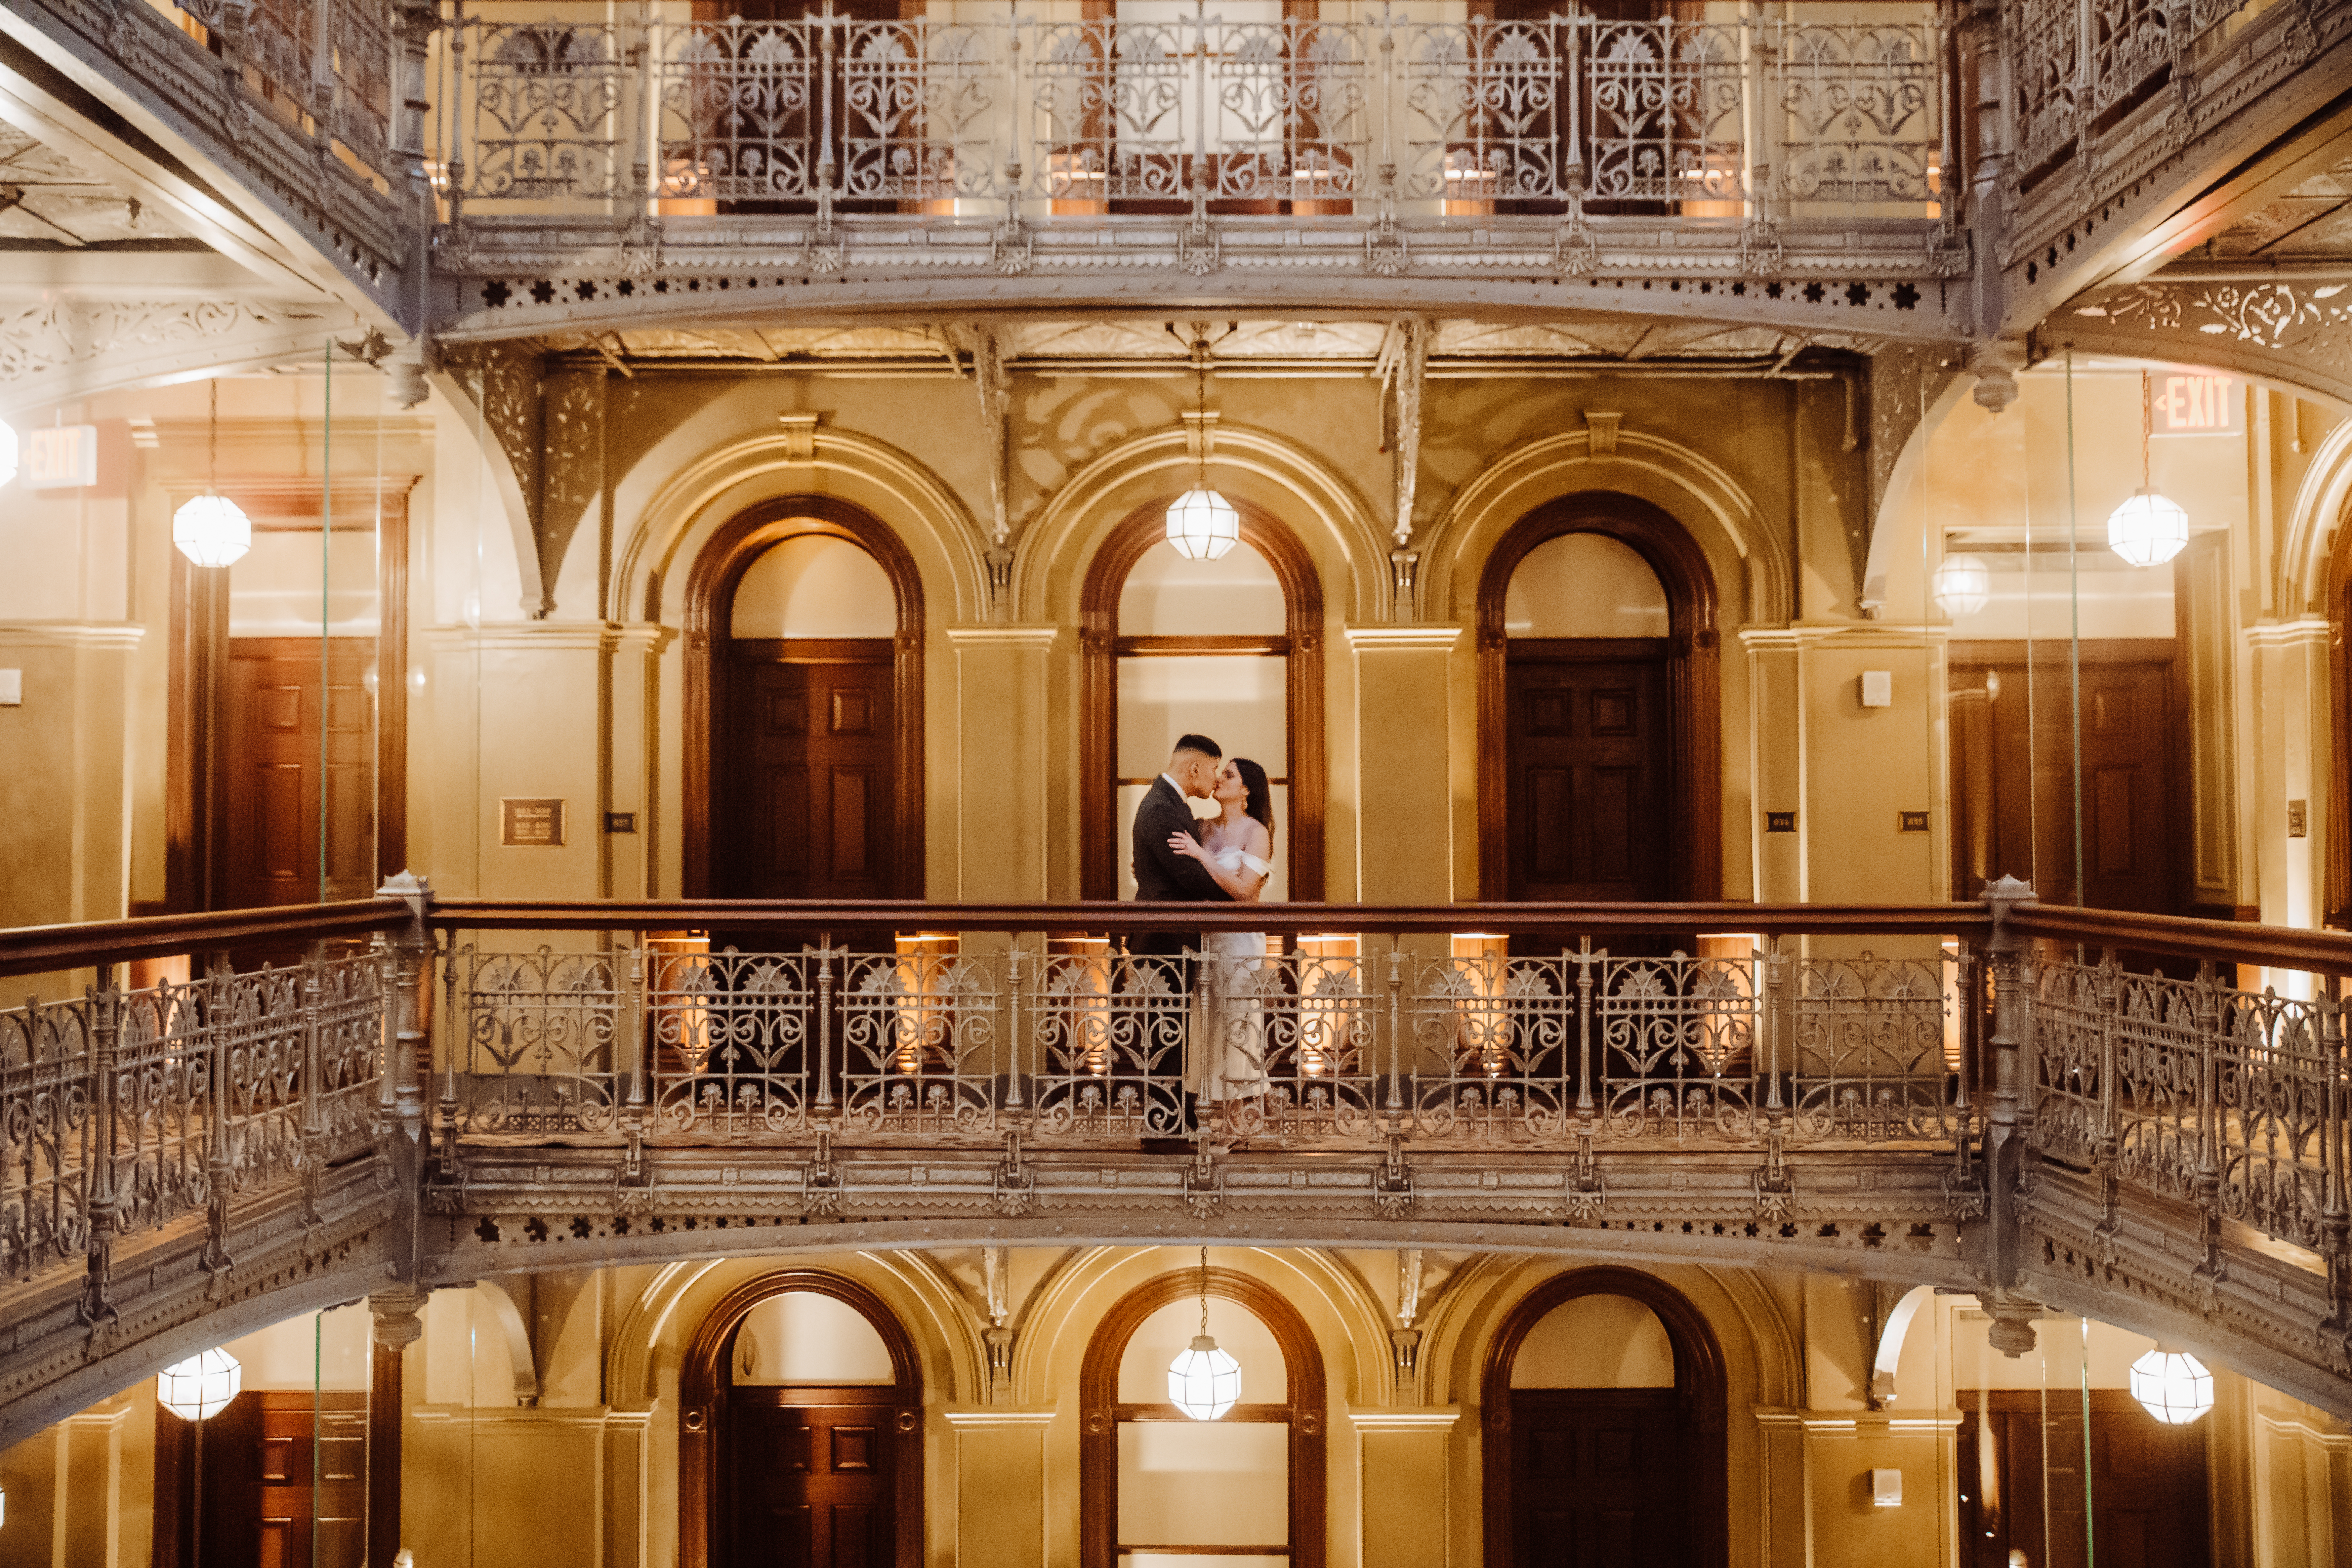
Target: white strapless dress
column 1226, row 1058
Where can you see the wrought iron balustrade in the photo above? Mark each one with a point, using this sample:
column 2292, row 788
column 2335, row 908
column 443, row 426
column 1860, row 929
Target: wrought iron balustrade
column 1377, row 114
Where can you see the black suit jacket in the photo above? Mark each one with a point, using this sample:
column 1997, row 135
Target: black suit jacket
column 1160, row 873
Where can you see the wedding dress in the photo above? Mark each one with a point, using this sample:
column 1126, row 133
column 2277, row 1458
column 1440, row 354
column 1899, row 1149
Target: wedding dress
column 1227, row 1058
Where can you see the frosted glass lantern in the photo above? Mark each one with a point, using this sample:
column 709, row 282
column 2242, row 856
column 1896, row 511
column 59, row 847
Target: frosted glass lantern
column 1202, row 525
column 2173, row 1384
column 200, row 1387
column 1962, row 585
column 1203, row 1382
column 212, row 531
column 2148, row 529
column 8, row 454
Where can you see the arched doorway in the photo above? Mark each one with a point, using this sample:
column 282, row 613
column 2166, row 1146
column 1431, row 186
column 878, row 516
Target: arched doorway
column 1598, row 775
column 804, row 707
column 1171, row 646
column 1137, row 1474
column 1604, row 1400
column 801, row 1429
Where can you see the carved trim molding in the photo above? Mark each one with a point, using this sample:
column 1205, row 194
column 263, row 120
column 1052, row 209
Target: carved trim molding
column 2296, row 334
column 63, row 348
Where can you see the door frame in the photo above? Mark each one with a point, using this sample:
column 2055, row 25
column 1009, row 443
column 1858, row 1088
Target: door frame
column 1098, row 1404
column 1100, row 648
column 702, row 1412
column 710, row 602
column 1693, row 685
column 1701, row 1395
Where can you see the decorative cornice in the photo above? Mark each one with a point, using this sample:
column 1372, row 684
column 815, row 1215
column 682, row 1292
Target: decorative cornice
column 1381, row 640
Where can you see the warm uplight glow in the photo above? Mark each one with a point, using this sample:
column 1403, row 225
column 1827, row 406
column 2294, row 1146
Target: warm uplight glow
column 212, row 531
column 1203, row 1382
column 1963, row 585
column 1202, row 525
column 8, row 454
column 2173, row 1384
column 2148, row 529
column 200, row 1387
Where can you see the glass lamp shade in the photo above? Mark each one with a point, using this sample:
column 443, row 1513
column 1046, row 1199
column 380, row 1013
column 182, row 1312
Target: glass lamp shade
column 1202, row 525
column 212, row 531
column 1203, row 1382
column 8, row 454
column 2173, row 1384
column 201, row 1387
column 1962, row 585
column 2148, row 529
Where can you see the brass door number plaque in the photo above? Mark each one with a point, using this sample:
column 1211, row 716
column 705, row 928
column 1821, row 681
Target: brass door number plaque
column 1779, row 822
column 1910, row 822
column 530, row 824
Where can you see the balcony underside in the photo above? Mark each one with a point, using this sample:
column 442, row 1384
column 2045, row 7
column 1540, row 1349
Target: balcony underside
column 518, row 278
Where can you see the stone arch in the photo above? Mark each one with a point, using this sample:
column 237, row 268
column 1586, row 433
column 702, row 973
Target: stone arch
column 702, row 495
column 1332, row 521
column 1701, row 1390
column 1902, row 478
column 712, row 579
column 702, row 1394
column 1302, row 591
column 2312, row 556
column 1721, row 517
column 1694, row 680
column 1099, row 1394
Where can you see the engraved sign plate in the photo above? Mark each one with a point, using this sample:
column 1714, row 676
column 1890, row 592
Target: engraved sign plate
column 536, row 824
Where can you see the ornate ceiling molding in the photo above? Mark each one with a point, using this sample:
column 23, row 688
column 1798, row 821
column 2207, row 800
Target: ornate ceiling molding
column 55, row 349
column 2296, row 334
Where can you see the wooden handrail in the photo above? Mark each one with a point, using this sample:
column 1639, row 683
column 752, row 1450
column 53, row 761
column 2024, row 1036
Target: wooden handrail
column 33, row 950
column 2223, row 942
column 799, row 916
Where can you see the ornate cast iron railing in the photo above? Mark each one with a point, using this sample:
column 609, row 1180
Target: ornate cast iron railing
column 1380, row 114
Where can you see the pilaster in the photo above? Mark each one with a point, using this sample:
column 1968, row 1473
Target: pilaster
column 1000, row 1497
column 1003, row 781
column 1403, row 838
column 1407, row 1507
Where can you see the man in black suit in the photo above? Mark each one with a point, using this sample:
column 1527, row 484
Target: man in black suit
column 1163, row 876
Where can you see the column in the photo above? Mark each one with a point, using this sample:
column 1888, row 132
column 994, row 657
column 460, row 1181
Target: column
column 1005, row 782
column 1000, row 1466
column 1402, row 1457
column 397, row 1326
column 1404, row 788
column 1776, row 768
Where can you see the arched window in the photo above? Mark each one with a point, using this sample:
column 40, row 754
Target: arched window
column 1604, row 1426
column 804, row 707
column 801, row 1429
column 1158, row 1488
column 1230, row 648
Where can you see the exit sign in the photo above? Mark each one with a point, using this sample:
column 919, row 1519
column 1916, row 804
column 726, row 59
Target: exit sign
column 61, row 456
column 2195, row 404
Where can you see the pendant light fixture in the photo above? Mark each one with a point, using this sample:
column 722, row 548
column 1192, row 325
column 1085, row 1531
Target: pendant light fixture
column 1202, row 524
column 1962, row 586
column 2173, row 1385
column 212, row 530
column 196, row 1390
column 1203, row 1382
column 2147, row 530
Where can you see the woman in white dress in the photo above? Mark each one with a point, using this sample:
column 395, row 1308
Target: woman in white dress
column 1224, row 1064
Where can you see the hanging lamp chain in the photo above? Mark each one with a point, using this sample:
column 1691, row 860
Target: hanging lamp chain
column 212, row 440
column 2146, row 430
column 1204, row 1290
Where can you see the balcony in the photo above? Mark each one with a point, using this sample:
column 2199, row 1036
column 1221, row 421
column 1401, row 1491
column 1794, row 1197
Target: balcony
column 605, row 172
column 1978, row 1096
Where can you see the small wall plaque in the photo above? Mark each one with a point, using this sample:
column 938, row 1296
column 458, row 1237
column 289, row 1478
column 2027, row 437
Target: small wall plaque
column 1910, row 822
column 535, row 823
column 1779, row 822
column 620, row 822
column 2297, row 822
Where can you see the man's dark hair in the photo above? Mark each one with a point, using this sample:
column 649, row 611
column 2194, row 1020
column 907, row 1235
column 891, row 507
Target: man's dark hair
column 1201, row 743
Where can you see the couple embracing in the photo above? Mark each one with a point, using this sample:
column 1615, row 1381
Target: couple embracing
column 1212, row 859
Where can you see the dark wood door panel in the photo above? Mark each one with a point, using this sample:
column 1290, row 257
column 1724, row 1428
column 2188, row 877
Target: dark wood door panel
column 1598, row 1479
column 807, row 766
column 1589, row 769
column 2013, row 777
column 810, row 1479
column 282, row 726
column 2148, row 1482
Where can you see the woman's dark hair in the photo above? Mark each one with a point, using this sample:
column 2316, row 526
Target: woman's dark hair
column 1259, row 801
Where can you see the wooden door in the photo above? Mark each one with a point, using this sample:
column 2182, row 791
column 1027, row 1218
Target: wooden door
column 276, row 709
column 2013, row 777
column 808, row 1478
column 807, row 772
column 1588, row 758
column 2147, row 1483
column 1597, row 1478
column 284, row 1477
